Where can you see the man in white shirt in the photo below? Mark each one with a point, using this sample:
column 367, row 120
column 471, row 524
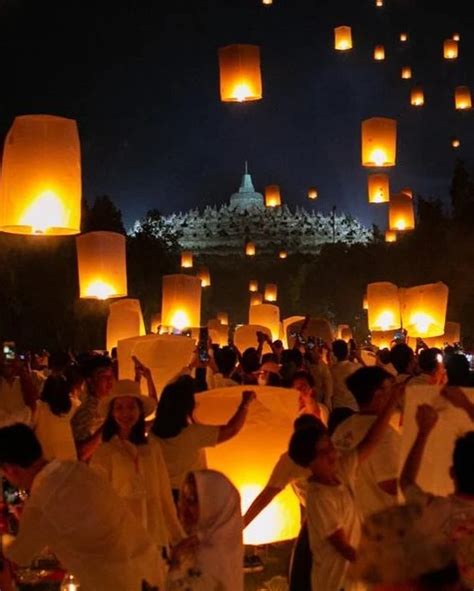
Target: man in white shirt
column 75, row 513
column 340, row 371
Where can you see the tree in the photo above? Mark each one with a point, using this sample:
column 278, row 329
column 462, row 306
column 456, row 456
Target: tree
column 103, row 215
column 462, row 194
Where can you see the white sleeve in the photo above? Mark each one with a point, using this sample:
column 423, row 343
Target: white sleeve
column 323, row 514
column 386, row 456
column 31, row 539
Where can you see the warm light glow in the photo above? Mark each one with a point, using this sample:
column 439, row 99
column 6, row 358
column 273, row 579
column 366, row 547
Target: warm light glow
column 99, row 289
column 379, row 142
column 181, row 301
column 267, row 315
column 382, row 339
column 242, row 92
column 417, row 97
column 180, row 320
column 457, row 37
column 379, row 3
column 267, row 2
column 378, row 188
column 383, row 306
column 401, row 214
column 462, row 98
column 365, row 303
column 450, row 49
column 270, row 294
column 378, row 156
column 205, row 276
column 312, row 193
column 455, row 143
column 385, row 320
column 45, row 212
column 421, row 321
column 403, row 37
column 223, row 318
column 256, row 299
column 424, row 309
column 379, row 53
column 253, row 285
column 283, row 254
column 187, row 259
column 390, row 236
column 272, row 196
column 250, row 249
column 240, row 78
column 406, row 73
column 342, row 38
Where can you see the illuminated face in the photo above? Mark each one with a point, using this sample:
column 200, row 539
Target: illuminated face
column 126, row 412
column 102, row 381
column 189, row 504
column 324, row 464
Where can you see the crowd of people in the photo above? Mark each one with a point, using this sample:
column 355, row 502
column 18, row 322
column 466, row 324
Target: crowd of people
column 114, row 480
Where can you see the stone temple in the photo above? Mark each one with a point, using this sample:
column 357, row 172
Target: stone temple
column 225, row 229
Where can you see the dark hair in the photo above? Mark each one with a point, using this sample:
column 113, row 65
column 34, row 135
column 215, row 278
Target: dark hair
column 226, row 359
column 303, row 375
column 305, row 421
column 74, row 376
column 384, row 355
column 137, row 432
column 56, row 393
column 175, row 408
column 302, row 448
column 250, row 360
column 458, row 370
column 278, row 343
column 94, row 363
column 401, row 355
column 19, row 446
column 292, row 356
column 338, row 416
column 428, row 360
column 340, row 349
column 364, row 382
column 463, row 463
column 269, row 357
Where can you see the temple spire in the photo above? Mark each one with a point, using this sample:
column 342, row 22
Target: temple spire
column 246, row 186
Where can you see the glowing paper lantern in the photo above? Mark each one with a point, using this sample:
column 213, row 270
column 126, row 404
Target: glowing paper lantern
column 246, row 336
column 379, row 53
column 379, row 142
column 424, row 309
column 272, row 196
column 267, row 315
column 218, row 333
column 256, row 299
column 451, row 335
column 312, row 193
column 253, row 285
column 417, row 97
column 379, row 188
column 401, row 215
column 181, row 301
column 250, row 249
column 383, row 339
column 267, row 2
column 287, row 322
column 407, row 191
column 379, row 3
column 450, row 49
column 223, row 318
column 390, row 236
column 271, row 292
column 125, row 320
column 384, row 306
column 102, row 265
column 342, row 38
column 344, row 332
column 455, row 143
column 240, row 78
column 187, row 259
column 283, row 254
column 462, row 98
column 41, row 177
column 406, row 73
column 457, row 37
column 268, row 430
column 316, row 328
column 403, row 37
column 204, row 276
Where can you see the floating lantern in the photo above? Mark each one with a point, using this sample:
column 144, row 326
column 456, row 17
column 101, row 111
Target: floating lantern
column 407, row 191
column 267, row 315
column 379, row 142
column 204, row 276
column 451, row 336
column 272, row 196
column 457, row 37
column 383, row 339
column 223, row 318
column 271, row 292
column 384, row 306
column 250, row 249
column 390, row 236
column 240, row 78
column 455, row 143
column 379, row 53
column 253, row 285
column 379, row 188
column 187, row 259
column 379, row 3
column 312, row 193
column 181, row 301
column 245, row 336
column 424, row 309
column 401, row 214
column 267, row 2
column 125, row 320
column 344, row 332
column 365, row 302
column 406, row 73
column 218, row 332
column 403, row 37
column 417, row 97
column 462, row 98
column 102, row 266
column 342, row 38
column 256, row 299
column 41, row 177
column 450, row 49
column 283, row 254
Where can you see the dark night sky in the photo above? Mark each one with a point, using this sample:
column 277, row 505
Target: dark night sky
column 141, row 79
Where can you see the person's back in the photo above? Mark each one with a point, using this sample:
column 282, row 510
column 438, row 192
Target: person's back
column 340, row 371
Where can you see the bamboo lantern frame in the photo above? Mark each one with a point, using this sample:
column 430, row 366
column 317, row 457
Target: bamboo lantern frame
column 424, row 309
column 240, row 77
column 343, row 38
column 383, row 306
column 379, row 188
column 379, row 142
column 401, row 214
column 181, row 301
column 272, row 196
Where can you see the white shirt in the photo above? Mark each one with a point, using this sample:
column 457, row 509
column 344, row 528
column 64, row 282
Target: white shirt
column 77, row 514
column 381, row 465
column 286, row 472
column 340, row 371
column 323, row 383
column 55, row 432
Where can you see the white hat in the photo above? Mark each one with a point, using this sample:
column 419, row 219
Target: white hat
column 127, row 388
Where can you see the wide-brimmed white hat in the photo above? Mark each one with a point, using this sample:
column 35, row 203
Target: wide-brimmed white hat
column 127, row 388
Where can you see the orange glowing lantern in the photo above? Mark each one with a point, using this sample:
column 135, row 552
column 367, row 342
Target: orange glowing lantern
column 250, row 249
column 401, row 214
column 256, row 298
column 271, row 292
column 102, row 265
column 312, row 193
column 181, row 301
column 390, row 236
column 379, row 3
column 451, row 336
column 218, row 332
column 125, row 320
column 379, row 188
column 272, row 196
column 41, row 177
column 187, row 259
column 240, row 78
column 417, row 97
column 283, row 254
column 267, row 315
column 403, row 37
column 457, row 37
column 384, row 306
column 383, row 339
column 344, row 332
column 223, row 318
column 365, row 302
column 267, row 2
column 424, row 309
column 406, row 73
column 379, row 142
column 379, row 53
column 204, row 276
column 342, row 38
column 450, row 49
column 462, row 98
column 253, row 285
column 455, row 143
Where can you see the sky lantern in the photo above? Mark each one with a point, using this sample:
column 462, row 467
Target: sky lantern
column 253, row 285
column 457, row 37
column 204, row 276
column 271, row 292
column 450, row 49
column 383, row 339
column 390, row 236
column 451, row 336
column 403, row 37
column 379, row 3
column 455, row 143
column 102, row 265
column 187, row 259
column 462, row 98
column 250, row 249
column 256, row 298
column 272, row 196
column 283, row 254
column 342, row 38
column 379, row 188
column 379, row 142
column 379, row 53
column 384, row 306
column 125, row 320
column 267, row 2
column 406, row 73
column 41, row 177
column 240, row 78
column 181, row 301
column 223, row 318
column 401, row 214
column 312, row 193
column 424, row 309
column 267, row 315
column 417, row 97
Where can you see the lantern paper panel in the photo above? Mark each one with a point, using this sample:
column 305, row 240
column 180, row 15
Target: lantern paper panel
column 343, row 38
column 406, row 73
column 271, row 292
column 268, row 429
column 267, row 315
column 312, row 193
column 383, row 339
column 256, row 298
column 41, row 177
column 250, row 249
column 125, row 320
column 417, row 97
column 181, row 301
column 205, row 276
column 245, row 336
column 390, row 236
column 285, row 324
column 187, row 259
column 379, row 53
column 462, row 98
column 424, row 309
column 102, row 266
column 383, row 306
column 401, row 213
column 240, row 77
column 253, row 285
column 379, row 142
column 379, row 188
column 450, row 49
column 272, row 196
column 223, row 318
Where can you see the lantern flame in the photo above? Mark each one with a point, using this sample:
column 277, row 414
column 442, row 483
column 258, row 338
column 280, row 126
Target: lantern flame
column 378, row 156
column 100, row 290
column 45, row 212
column 180, row 320
column 421, row 321
column 386, row 320
column 242, row 92
column 400, row 224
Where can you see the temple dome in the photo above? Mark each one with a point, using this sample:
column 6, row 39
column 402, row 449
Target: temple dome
column 247, row 197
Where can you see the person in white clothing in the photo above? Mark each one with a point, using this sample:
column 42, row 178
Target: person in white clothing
column 340, row 371
column 308, row 404
column 78, row 516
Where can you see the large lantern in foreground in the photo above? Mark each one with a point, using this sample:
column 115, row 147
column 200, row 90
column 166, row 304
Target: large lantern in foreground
column 417, row 97
column 187, row 259
column 41, row 177
column 271, row 292
column 462, row 98
column 267, row 315
column 450, row 49
column 384, row 306
column 101, row 263
column 181, row 301
column 272, row 196
column 342, row 38
column 125, row 320
column 424, row 309
column 401, row 214
column 379, row 188
column 379, row 142
column 240, row 78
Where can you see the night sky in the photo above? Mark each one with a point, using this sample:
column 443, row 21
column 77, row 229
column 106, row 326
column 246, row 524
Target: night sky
column 141, row 79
